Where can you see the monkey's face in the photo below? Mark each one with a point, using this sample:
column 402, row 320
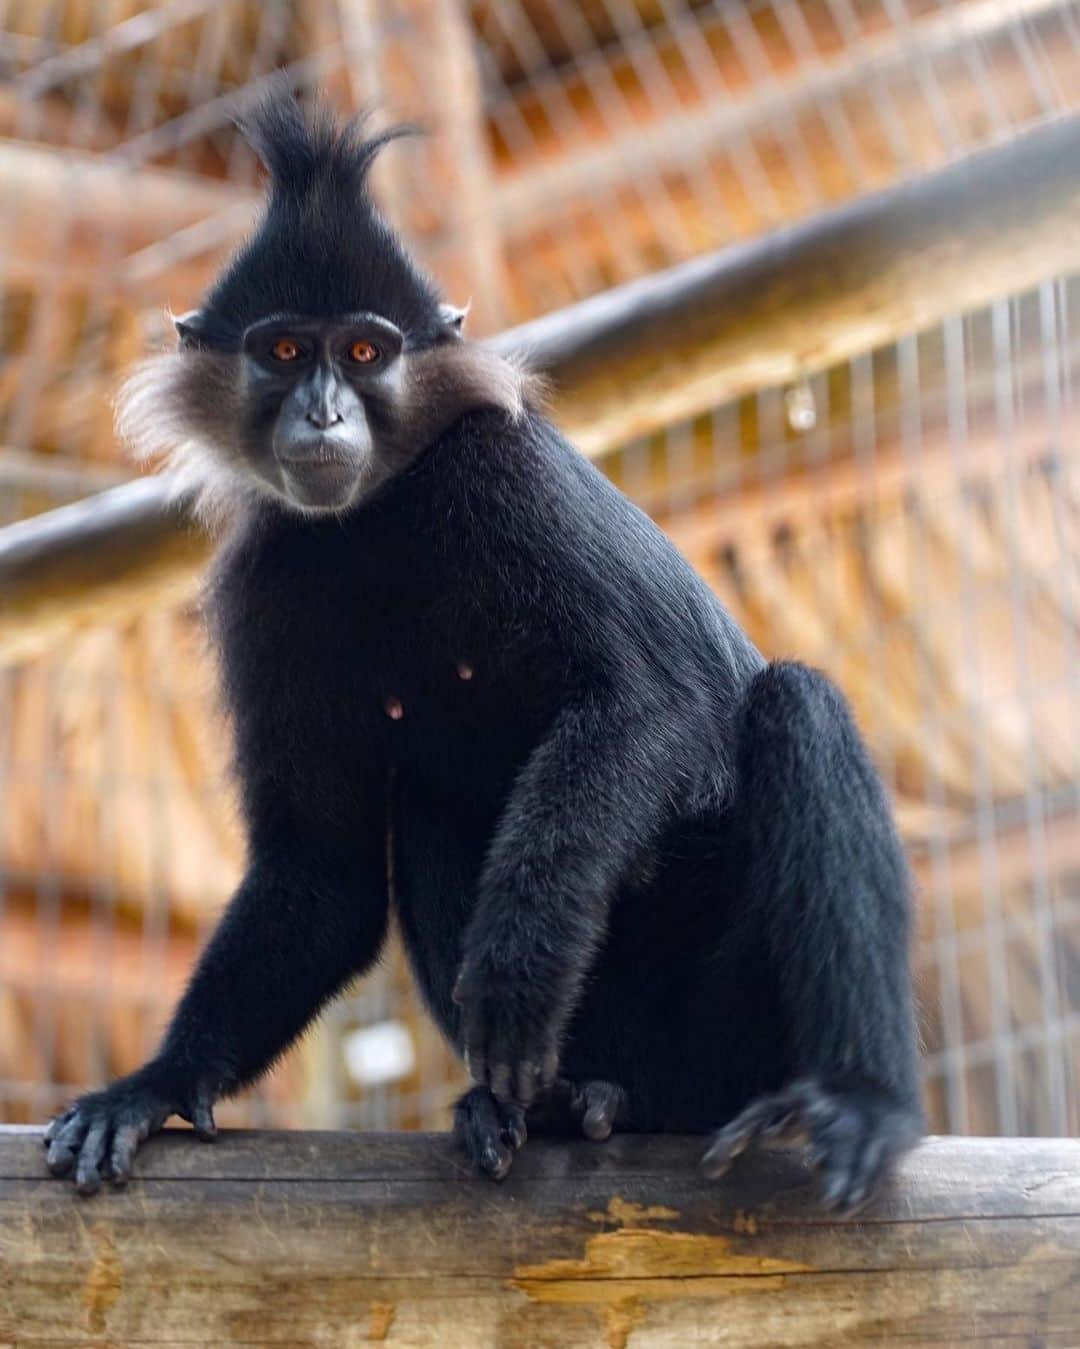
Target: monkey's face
column 317, row 413
column 319, row 403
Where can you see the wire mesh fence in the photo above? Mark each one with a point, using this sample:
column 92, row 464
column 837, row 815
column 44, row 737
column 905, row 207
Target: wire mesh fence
column 905, row 519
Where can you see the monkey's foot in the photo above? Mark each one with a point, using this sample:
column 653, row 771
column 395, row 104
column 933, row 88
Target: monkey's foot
column 599, row 1106
column 593, row 1108
column 853, row 1136
column 490, row 1131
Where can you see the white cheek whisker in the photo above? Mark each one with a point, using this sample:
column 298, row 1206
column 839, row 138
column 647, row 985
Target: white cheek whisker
column 177, row 409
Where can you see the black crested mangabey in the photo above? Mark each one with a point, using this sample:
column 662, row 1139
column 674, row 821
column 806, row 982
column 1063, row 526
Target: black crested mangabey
column 646, row 880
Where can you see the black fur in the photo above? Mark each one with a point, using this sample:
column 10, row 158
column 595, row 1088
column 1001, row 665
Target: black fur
column 626, row 850
column 322, row 248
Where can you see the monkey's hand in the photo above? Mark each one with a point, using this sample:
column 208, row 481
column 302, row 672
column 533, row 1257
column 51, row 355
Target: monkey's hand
column 98, row 1136
column 510, row 1036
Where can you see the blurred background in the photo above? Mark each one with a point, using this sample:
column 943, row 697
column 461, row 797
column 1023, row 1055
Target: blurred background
column 871, row 452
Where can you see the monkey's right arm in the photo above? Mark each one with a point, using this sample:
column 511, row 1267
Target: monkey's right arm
column 306, row 918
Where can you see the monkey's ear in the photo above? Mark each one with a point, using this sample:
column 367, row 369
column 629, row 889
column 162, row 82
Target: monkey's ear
column 453, row 318
column 190, row 327
column 201, row 330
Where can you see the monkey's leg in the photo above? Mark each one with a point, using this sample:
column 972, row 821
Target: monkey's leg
column 302, row 923
column 827, row 882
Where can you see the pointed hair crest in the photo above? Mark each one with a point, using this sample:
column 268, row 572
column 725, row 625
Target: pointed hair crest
column 321, row 246
column 311, row 152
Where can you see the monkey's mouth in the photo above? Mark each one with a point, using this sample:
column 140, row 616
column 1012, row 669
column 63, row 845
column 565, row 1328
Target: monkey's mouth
column 320, row 482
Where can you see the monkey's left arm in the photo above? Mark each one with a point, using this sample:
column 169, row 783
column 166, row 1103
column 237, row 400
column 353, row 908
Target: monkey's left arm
column 595, row 790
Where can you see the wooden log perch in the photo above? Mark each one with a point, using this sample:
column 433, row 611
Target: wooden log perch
column 94, row 561
column 349, row 1239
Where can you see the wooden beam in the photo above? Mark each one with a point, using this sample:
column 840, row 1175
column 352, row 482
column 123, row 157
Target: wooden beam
column 658, row 350
column 28, row 471
column 438, row 191
column 343, row 1239
column 808, row 296
column 95, row 561
column 95, row 210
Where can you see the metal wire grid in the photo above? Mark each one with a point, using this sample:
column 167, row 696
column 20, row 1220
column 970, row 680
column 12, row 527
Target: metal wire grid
column 635, row 136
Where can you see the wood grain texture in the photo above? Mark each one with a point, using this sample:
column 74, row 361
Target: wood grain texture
column 347, row 1239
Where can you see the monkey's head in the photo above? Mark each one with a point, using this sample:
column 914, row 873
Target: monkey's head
column 322, row 360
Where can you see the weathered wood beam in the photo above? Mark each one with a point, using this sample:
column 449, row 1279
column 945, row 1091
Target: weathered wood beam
column 95, row 561
column 658, row 350
column 423, row 70
column 93, row 211
column 810, row 295
column 28, row 471
column 342, row 1239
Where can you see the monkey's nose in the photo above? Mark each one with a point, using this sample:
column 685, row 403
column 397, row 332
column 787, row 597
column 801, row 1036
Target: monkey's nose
column 323, row 418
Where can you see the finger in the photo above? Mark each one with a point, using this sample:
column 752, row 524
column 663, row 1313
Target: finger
column 479, row 1127
column 62, row 1150
column 735, row 1137
column 602, row 1102
column 514, row 1131
column 503, row 1052
column 527, row 1082
column 500, row 1082
column 787, row 1122
column 549, row 1068
column 475, row 1045
column 91, row 1155
column 125, row 1143
column 55, row 1124
column 203, row 1120
column 837, row 1145
column 866, row 1175
column 597, row 1123
column 496, row 1157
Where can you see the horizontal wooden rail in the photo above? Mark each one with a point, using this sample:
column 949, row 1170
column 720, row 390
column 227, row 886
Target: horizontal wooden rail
column 660, row 349
column 345, row 1239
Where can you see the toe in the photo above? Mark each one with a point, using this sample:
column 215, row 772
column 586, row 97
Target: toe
column 514, row 1132
column 601, row 1104
column 867, row 1173
column 495, row 1159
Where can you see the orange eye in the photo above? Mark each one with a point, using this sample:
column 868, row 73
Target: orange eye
column 285, row 349
column 363, row 353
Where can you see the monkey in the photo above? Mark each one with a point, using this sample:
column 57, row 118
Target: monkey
column 647, row 880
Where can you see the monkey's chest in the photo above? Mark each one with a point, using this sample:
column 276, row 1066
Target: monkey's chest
column 459, row 707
